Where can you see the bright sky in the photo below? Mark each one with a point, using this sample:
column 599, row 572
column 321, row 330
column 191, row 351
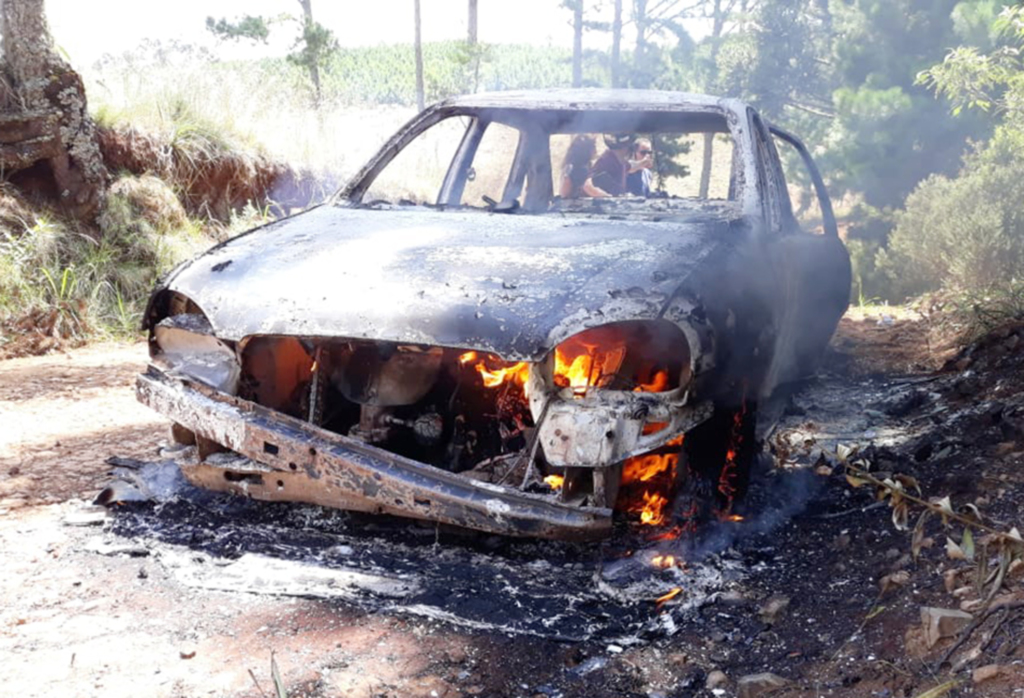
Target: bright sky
column 86, row 30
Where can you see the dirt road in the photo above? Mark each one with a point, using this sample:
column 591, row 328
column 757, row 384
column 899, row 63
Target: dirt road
column 91, row 610
column 63, row 415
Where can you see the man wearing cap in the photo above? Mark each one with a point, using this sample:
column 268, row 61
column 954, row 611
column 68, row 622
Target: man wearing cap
column 610, row 170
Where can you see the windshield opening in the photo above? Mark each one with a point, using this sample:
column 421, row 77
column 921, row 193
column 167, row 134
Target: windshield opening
column 535, row 161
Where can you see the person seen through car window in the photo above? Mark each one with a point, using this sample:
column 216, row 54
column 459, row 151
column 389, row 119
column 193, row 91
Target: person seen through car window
column 610, row 170
column 576, row 169
column 641, row 162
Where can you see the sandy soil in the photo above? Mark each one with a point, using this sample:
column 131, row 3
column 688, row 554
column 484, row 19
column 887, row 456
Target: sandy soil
column 63, row 415
column 87, row 613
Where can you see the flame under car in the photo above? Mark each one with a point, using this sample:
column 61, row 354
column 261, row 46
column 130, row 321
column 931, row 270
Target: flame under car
column 528, row 366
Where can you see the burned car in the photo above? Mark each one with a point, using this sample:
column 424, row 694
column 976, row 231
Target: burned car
column 449, row 338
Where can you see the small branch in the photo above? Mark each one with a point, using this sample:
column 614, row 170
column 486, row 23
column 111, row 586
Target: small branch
column 811, row 110
column 856, row 510
column 975, row 624
column 995, row 631
column 931, row 506
column 258, row 687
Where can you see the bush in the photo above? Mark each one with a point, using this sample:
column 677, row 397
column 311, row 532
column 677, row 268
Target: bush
column 61, row 283
column 963, row 235
column 867, row 233
column 144, row 233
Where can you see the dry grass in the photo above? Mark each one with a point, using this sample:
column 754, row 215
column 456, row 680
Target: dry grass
column 256, row 108
column 15, row 211
column 61, row 283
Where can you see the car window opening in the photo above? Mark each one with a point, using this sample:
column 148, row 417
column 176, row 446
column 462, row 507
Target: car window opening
column 587, row 163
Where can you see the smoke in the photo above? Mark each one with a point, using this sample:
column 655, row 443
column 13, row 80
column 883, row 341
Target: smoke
column 776, row 495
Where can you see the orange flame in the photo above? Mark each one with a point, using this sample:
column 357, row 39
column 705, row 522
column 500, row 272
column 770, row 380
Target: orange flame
column 580, row 366
column 727, row 478
column 669, row 596
column 663, row 561
column 657, row 384
column 503, row 372
column 555, row 482
column 671, row 534
column 733, row 517
column 652, row 514
column 516, row 372
column 645, row 468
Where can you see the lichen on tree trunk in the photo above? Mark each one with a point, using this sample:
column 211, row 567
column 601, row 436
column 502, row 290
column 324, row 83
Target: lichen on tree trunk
column 47, row 98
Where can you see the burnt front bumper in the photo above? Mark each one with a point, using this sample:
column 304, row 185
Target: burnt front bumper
column 292, row 460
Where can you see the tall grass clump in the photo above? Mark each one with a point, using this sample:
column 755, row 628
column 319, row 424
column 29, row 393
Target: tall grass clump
column 62, row 284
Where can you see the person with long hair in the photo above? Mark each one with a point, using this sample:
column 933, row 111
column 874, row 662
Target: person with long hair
column 576, row 181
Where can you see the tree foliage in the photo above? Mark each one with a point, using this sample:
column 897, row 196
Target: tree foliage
column 312, row 49
column 245, row 27
column 966, row 234
column 945, row 240
column 993, row 80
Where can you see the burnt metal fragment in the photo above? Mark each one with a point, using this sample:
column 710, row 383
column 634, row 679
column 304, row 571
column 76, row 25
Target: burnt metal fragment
column 287, row 459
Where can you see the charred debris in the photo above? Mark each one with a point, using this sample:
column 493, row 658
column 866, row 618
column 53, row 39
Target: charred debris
column 455, row 435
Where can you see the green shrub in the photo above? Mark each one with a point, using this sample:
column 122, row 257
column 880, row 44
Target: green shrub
column 867, row 231
column 963, row 235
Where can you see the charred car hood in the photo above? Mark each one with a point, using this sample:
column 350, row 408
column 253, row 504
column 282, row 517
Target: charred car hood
column 515, row 285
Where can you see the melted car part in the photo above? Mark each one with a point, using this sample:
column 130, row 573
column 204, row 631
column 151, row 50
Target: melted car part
column 288, row 459
column 185, row 344
column 381, row 374
column 421, row 402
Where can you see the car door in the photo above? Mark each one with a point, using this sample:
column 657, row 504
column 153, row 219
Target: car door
column 813, row 268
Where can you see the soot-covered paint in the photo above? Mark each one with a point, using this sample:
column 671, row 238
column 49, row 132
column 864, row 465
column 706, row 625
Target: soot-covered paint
column 512, row 285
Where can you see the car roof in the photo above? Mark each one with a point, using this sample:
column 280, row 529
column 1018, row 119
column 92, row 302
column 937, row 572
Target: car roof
column 591, row 99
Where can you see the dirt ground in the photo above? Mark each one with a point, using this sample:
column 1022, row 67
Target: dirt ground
column 88, row 611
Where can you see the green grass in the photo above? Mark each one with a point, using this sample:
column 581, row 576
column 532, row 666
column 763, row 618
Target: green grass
column 72, row 284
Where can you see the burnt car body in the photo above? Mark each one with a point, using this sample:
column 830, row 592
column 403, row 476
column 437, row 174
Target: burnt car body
column 514, row 362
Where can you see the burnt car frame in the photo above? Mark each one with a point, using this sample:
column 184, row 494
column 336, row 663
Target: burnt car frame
column 511, row 366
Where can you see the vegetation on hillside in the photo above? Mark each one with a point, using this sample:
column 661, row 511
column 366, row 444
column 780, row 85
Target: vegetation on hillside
column 964, row 235
column 62, row 282
column 866, row 83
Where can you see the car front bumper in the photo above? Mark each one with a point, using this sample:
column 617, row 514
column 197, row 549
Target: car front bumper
column 287, row 459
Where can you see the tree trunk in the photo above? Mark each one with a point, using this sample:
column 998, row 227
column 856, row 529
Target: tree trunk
column 577, row 44
column 640, row 52
column 717, row 28
column 314, row 69
column 616, row 43
column 48, row 120
column 474, row 48
column 418, row 49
